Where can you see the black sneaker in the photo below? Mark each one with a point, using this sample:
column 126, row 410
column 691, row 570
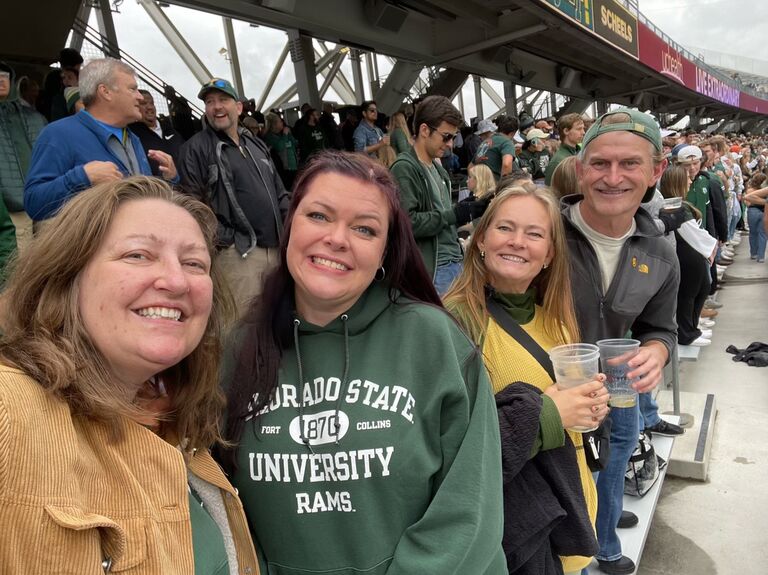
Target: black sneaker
column 623, row 566
column 627, row 519
column 666, row 428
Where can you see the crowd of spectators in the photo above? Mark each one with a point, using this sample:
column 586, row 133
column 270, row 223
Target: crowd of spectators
column 336, row 242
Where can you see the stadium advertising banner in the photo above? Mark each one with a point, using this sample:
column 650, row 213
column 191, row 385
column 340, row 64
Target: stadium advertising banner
column 579, row 10
column 616, row 24
column 660, row 56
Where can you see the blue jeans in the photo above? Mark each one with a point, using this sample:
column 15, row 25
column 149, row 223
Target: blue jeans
column 649, row 410
column 444, row 276
column 757, row 239
column 610, row 482
column 735, row 217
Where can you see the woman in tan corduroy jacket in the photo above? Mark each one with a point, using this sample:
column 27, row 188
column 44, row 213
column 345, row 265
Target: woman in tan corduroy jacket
column 109, row 393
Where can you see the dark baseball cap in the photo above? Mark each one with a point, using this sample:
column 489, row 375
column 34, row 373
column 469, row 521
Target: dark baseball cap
column 218, row 84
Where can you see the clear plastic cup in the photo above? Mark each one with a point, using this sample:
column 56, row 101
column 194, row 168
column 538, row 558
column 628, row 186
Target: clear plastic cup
column 672, row 203
column 614, row 355
column 575, row 364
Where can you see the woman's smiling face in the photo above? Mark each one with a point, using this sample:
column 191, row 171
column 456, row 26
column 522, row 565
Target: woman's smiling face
column 337, row 243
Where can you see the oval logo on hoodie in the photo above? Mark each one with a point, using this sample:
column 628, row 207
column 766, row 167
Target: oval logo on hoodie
column 320, row 428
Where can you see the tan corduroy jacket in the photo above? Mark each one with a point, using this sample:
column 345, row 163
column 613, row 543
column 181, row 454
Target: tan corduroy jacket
column 73, row 501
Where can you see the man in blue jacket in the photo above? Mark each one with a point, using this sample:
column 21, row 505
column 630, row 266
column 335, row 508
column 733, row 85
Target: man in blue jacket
column 94, row 145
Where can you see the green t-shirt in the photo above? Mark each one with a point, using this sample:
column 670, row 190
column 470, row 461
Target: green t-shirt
column 492, row 151
column 285, row 147
column 207, row 540
column 448, row 248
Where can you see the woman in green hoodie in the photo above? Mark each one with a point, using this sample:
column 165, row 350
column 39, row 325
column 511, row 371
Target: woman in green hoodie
column 365, row 434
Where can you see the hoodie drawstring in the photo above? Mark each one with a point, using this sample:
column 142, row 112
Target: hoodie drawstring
column 304, row 439
column 342, row 388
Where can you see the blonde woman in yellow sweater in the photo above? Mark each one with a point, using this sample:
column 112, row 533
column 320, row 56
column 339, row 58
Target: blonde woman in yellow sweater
column 517, row 257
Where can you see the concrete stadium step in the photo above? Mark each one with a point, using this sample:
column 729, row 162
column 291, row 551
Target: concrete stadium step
column 633, row 539
column 692, row 449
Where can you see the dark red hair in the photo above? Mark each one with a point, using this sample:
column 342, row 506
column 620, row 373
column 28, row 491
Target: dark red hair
column 266, row 329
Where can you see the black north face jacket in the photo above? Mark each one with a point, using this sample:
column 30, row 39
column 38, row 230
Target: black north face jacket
column 643, row 294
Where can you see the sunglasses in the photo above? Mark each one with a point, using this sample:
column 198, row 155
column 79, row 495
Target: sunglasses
column 371, row 110
column 216, row 84
column 445, row 135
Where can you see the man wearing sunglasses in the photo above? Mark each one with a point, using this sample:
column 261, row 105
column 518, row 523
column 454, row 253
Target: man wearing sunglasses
column 425, row 190
column 368, row 137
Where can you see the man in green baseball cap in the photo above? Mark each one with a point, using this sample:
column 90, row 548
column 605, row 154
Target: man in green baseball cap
column 218, row 84
column 228, row 167
column 624, row 277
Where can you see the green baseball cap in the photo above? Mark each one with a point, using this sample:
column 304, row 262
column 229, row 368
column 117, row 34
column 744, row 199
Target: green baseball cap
column 639, row 123
column 220, row 85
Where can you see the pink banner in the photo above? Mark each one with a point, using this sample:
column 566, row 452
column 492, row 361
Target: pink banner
column 660, row 56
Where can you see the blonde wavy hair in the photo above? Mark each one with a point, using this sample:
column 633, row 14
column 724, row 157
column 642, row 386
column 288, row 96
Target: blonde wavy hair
column 485, row 183
column 45, row 336
column 466, row 298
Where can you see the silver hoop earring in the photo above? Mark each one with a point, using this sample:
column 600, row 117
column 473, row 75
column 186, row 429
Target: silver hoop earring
column 482, row 255
column 545, row 266
column 383, row 274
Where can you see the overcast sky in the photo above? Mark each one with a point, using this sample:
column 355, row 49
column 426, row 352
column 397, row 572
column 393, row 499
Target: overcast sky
column 730, row 26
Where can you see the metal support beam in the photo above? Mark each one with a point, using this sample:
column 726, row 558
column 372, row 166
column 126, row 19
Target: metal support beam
column 177, row 41
column 273, row 76
column 602, row 107
column 302, row 55
column 552, row 104
column 373, row 82
column 234, row 60
column 492, row 94
column 339, row 82
column 107, row 29
column 331, row 76
column 357, row 74
column 510, row 98
column 290, row 92
column 461, row 103
column 83, row 15
column 397, row 86
column 477, row 80
column 490, row 43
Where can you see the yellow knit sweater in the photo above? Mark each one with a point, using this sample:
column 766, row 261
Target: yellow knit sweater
column 508, row 361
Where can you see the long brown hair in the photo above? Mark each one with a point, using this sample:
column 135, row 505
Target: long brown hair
column 45, row 336
column 553, row 286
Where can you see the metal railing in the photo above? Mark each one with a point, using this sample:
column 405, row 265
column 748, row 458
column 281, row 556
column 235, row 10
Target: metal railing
column 144, row 74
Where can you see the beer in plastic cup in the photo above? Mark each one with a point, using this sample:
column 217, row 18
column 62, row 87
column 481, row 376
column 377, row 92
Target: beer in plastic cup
column 575, row 364
column 614, row 355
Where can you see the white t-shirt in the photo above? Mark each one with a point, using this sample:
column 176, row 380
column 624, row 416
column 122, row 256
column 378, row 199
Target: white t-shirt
column 608, row 249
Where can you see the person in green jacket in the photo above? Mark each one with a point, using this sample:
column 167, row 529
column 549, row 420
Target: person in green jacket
column 571, row 130
column 284, row 146
column 535, row 156
column 400, row 135
column 366, row 435
column 7, row 240
column 425, row 190
column 20, row 126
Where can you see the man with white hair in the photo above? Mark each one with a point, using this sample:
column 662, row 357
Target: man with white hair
column 94, row 145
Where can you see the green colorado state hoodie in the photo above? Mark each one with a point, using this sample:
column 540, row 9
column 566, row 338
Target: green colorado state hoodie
column 411, row 484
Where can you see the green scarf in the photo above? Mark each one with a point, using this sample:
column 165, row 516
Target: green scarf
column 521, row 306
